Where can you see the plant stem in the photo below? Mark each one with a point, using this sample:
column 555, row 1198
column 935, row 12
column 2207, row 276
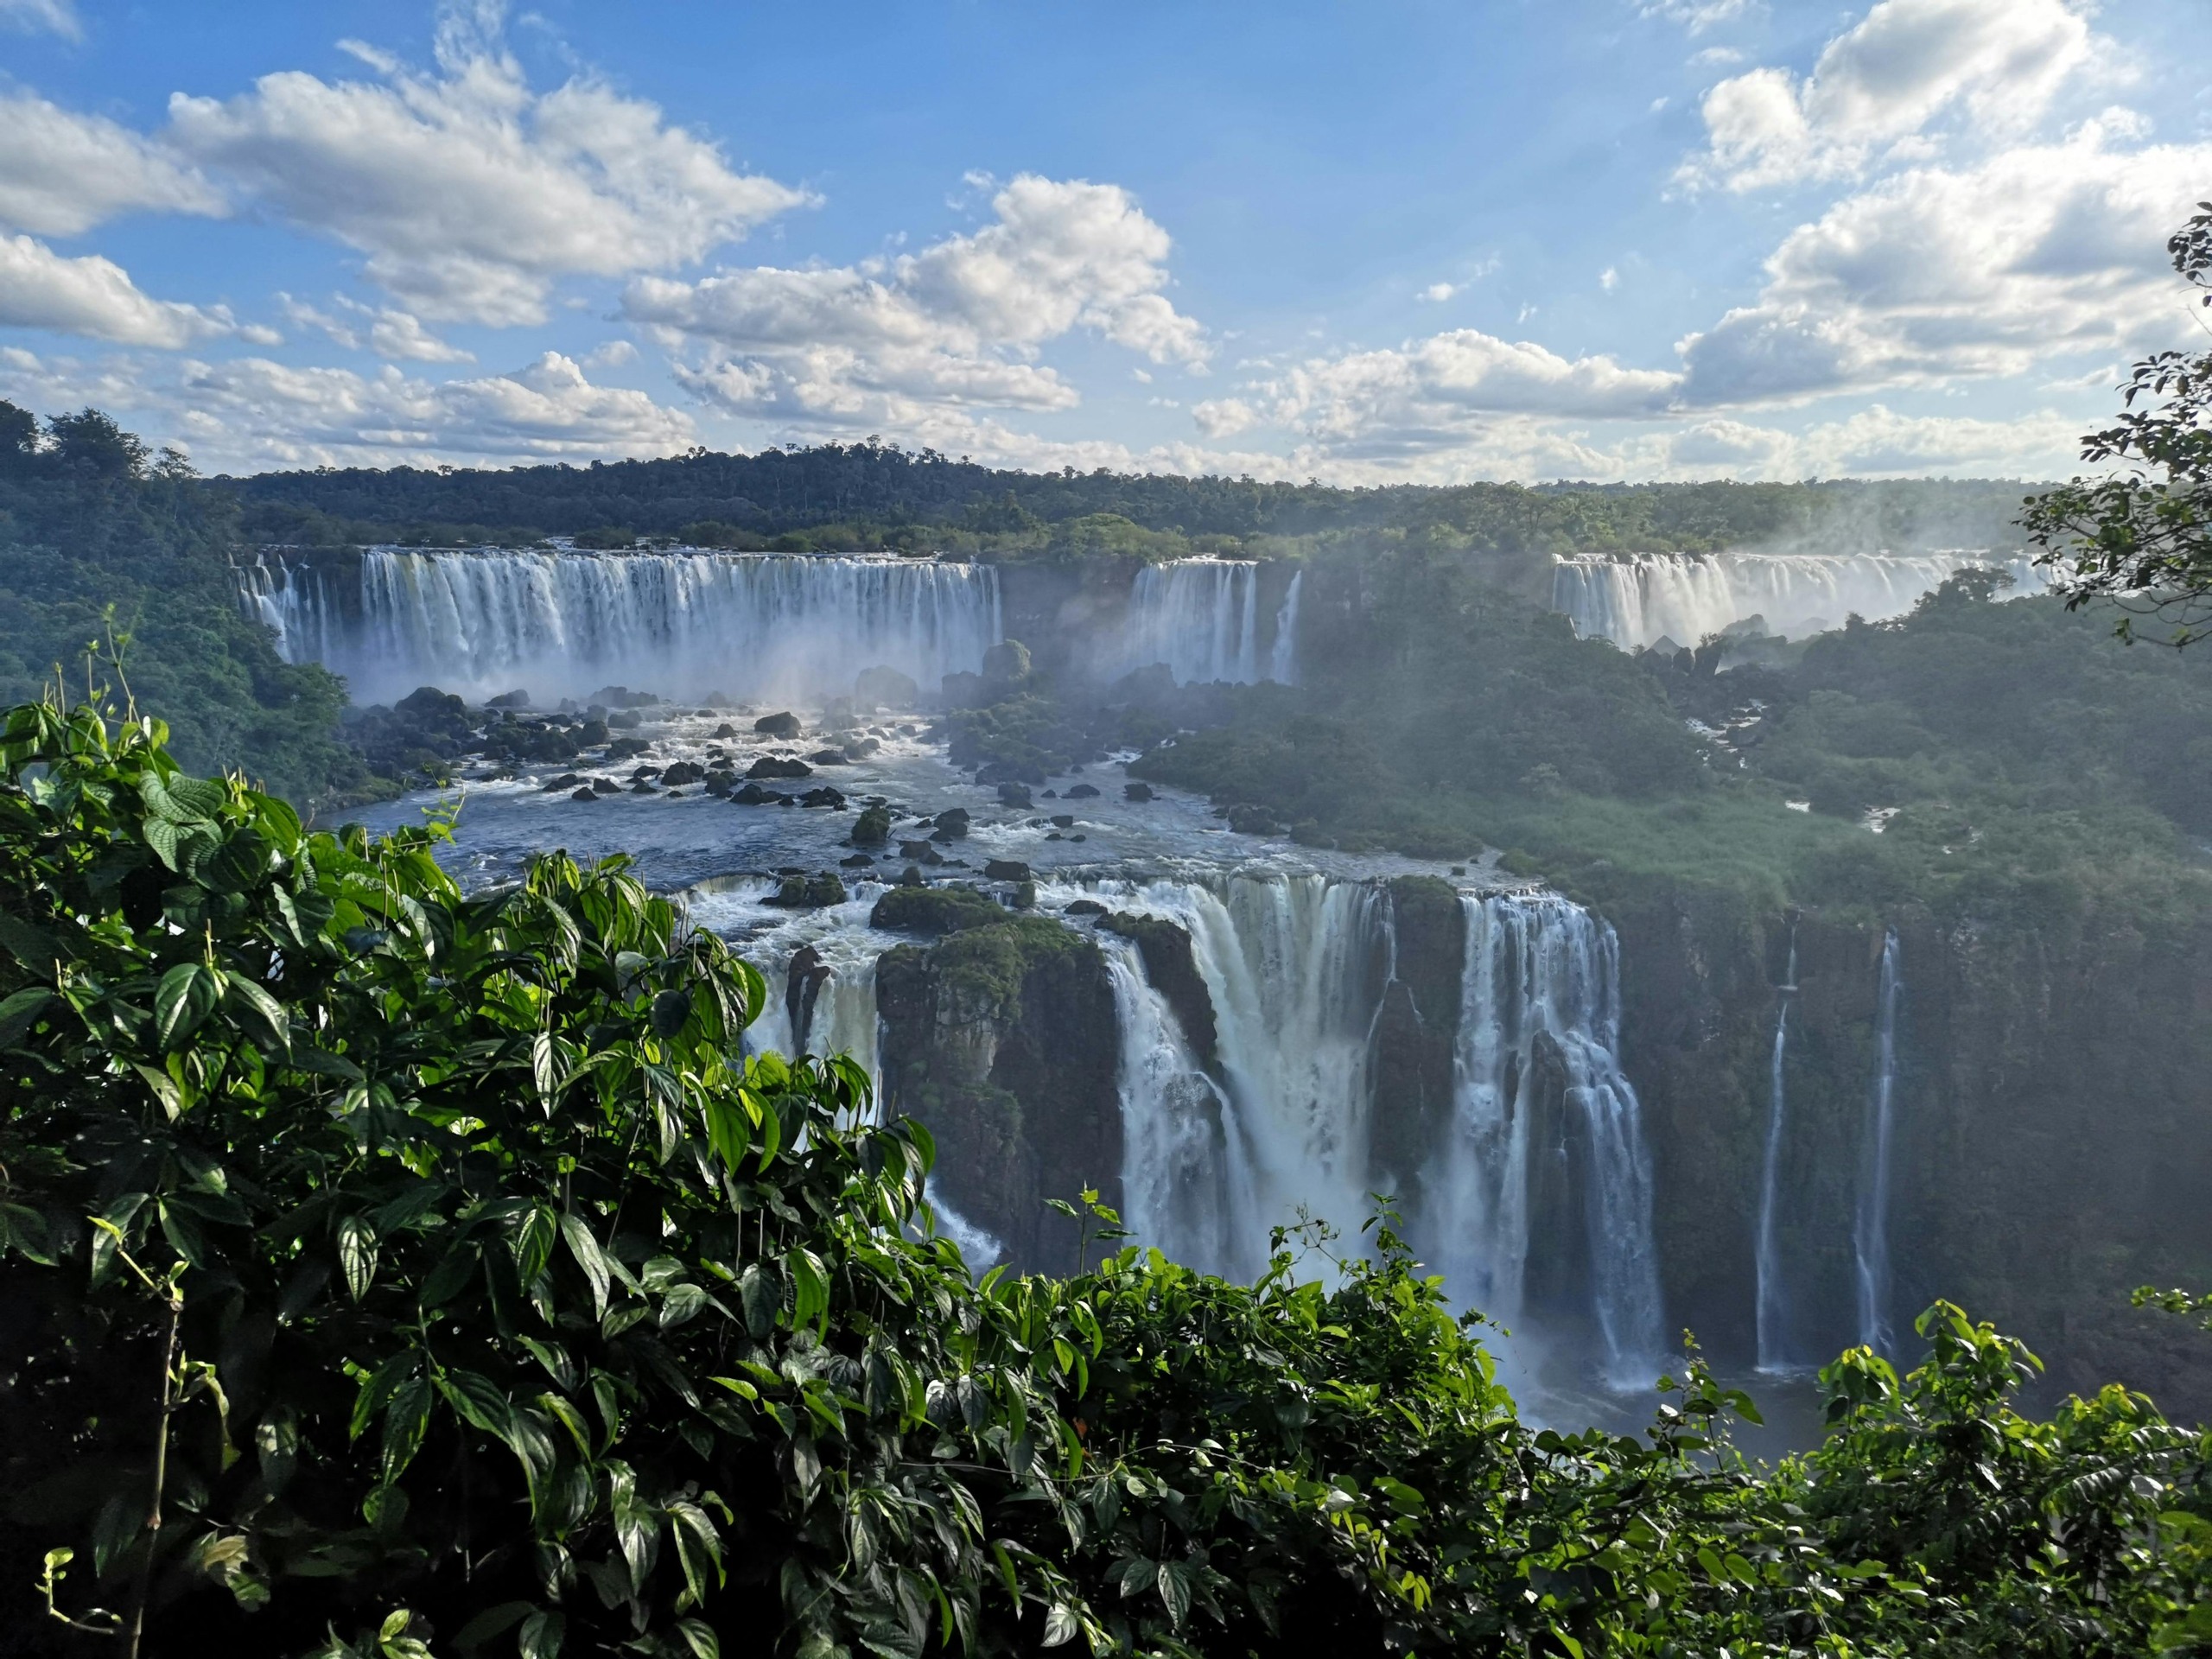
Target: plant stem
column 135, row 1624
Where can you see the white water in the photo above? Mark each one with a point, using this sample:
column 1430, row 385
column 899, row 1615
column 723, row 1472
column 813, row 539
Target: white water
column 1540, row 967
column 296, row 604
column 1773, row 1296
column 758, row 626
column 1201, row 617
column 1685, row 597
column 1871, row 1225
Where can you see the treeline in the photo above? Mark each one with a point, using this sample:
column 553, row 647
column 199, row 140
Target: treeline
column 388, row 1270
column 877, row 495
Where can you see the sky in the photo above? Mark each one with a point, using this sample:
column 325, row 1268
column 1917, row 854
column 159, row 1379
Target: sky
column 1365, row 241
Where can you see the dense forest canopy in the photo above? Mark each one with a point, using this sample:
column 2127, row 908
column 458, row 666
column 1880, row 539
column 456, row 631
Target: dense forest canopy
column 877, row 494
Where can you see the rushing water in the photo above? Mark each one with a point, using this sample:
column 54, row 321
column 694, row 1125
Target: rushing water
column 1773, row 1293
column 1870, row 1223
column 1685, row 597
column 1201, row 617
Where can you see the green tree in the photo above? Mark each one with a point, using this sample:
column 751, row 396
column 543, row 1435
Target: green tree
column 2142, row 538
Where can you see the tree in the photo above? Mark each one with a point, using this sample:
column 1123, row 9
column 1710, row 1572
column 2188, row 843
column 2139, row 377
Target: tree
column 2142, row 539
column 91, row 444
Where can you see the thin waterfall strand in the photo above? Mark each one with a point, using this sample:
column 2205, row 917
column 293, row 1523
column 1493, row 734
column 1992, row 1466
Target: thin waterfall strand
column 1685, row 597
column 1871, row 1224
column 1282, row 656
column 1201, row 617
column 1773, row 1298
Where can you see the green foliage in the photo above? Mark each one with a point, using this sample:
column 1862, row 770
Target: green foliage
column 480, row 1296
column 2142, row 538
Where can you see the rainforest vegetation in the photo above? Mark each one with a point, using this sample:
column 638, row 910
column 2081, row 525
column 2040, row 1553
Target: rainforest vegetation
column 390, row 1269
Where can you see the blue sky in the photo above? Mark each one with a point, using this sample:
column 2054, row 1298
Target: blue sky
column 1595, row 239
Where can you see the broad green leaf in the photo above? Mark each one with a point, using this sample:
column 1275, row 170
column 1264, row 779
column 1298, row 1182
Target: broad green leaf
column 671, row 1010
column 185, row 996
column 260, row 1013
column 584, row 1246
column 541, row 1634
column 477, row 1399
column 356, row 1254
column 533, row 1242
column 21, row 1011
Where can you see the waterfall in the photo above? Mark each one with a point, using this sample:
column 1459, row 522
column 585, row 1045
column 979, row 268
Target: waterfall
column 1282, row 657
column 1201, row 617
column 1870, row 1234
column 1293, row 966
column 1542, row 972
column 1685, row 597
column 296, row 603
column 1773, row 1299
column 777, row 627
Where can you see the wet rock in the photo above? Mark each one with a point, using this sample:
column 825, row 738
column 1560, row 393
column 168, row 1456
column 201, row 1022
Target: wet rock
column 683, row 772
column 829, row 758
column 803, row 985
column 1081, row 791
column 592, row 733
column 721, row 784
column 769, row 765
column 823, row 797
column 641, row 787
column 427, row 700
column 782, row 725
column 860, row 748
column 1086, row 907
column 1134, row 791
column 1254, row 821
column 952, row 824
column 625, row 721
column 623, row 747
column 962, row 691
column 873, row 827
column 1172, row 970
column 753, row 795
column 911, row 877
column 509, row 700
column 585, row 794
column 1014, row 795
column 566, row 780
column 905, row 909
column 606, row 786
column 725, row 730
column 1063, row 821
column 1006, row 869
column 858, row 862
column 809, row 891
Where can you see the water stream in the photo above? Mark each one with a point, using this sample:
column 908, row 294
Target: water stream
column 1773, row 1294
column 1870, row 1234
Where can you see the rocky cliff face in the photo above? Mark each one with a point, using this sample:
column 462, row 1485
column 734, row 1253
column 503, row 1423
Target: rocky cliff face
column 1002, row 1040
column 2050, row 1152
column 1409, row 1057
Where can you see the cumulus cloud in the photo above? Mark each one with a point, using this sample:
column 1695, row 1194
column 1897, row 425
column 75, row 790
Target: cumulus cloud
column 1878, row 84
column 471, row 193
column 385, row 330
column 95, row 297
column 959, row 324
column 253, row 413
column 1698, row 16
column 1223, row 417
column 62, row 173
column 1434, row 393
column 2038, row 252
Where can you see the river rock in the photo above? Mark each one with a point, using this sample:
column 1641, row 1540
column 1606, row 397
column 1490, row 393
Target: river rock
column 606, row 786
column 566, row 780
column 829, row 758
column 803, row 984
column 683, row 772
column 934, row 910
column 1014, row 795
column 585, row 794
column 509, row 700
column 753, row 795
column 1006, row 869
column 1081, row 791
column 1135, row 791
column 1172, row 970
column 769, row 765
column 1063, row 821
column 1086, row 907
column 823, row 797
column 809, row 891
column 873, row 827
column 885, row 688
column 782, row 725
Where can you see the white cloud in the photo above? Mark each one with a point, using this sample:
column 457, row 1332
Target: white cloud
column 1878, row 84
column 958, row 324
column 2040, row 252
column 95, row 297
column 1609, row 278
column 1223, row 417
column 1437, row 293
column 251, row 413
column 385, row 330
column 1431, row 394
column 612, row 355
column 62, row 173
column 1698, row 16
column 58, row 15
column 470, row 193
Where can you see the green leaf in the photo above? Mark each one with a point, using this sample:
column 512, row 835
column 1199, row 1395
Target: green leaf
column 671, row 1010
column 161, row 837
column 492, row 1621
column 32, row 946
column 534, row 1242
column 584, row 1246
column 185, row 996
column 21, row 1011
column 23, row 1230
column 1061, row 1625
column 356, row 1254
column 477, row 1399
column 260, row 1013
column 541, row 1634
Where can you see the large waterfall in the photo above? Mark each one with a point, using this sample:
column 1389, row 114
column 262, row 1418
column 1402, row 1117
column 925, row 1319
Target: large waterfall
column 1870, row 1234
column 1220, row 1149
column 1685, row 597
column 1540, row 1009
column 1202, row 617
column 779, row 626
column 1773, row 1294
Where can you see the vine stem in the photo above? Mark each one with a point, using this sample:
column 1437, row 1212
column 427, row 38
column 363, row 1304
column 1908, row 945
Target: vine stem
column 134, row 1625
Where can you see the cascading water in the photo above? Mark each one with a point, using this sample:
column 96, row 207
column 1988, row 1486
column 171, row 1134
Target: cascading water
column 1685, row 597
column 562, row 624
column 296, row 604
column 1773, row 1296
column 1201, row 617
column 1540, row 971
column 1293, row 967
column 1870, row 1223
